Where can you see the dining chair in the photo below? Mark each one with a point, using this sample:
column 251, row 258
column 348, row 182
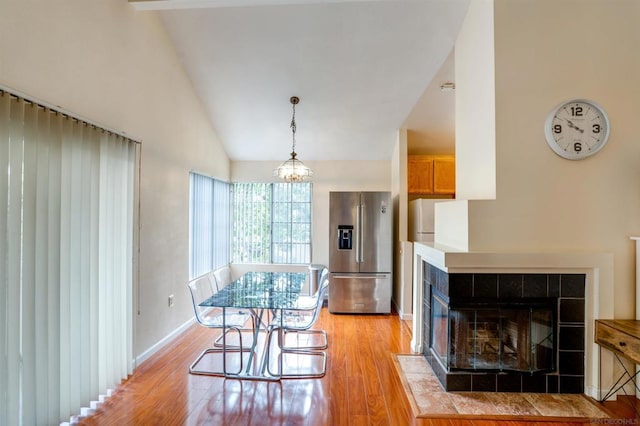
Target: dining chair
column 298, row 322
column 201, row 289
column 221, row 278
column 309, row 302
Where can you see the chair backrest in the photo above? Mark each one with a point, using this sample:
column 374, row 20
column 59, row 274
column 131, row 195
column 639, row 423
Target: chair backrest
column 201, row 289
column 324, row 277
column 222, row 276
column 323, row 281
column 324, row 286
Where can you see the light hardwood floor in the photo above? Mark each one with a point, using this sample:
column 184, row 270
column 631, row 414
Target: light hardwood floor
column 361, row 386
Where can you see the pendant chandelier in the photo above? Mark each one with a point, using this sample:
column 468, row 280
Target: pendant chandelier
column 293, row 170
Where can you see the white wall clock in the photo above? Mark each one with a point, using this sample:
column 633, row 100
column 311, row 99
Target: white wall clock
column 577, row 129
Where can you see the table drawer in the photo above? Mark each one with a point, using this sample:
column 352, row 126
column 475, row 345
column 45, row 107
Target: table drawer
column 618, row 341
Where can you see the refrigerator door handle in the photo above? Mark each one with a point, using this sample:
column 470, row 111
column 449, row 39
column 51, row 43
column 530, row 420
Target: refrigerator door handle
column 358, row 225
column 360, row 275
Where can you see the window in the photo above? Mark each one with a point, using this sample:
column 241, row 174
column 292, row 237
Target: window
column 209, row 224
column 271, row 223
column 291, row 223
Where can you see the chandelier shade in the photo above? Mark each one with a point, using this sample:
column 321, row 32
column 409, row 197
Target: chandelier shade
column 293, row 170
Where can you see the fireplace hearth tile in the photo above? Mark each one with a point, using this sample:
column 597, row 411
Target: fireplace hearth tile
column 564, row 405
column 534, row 285
column 572, row 285
column 434, row 406
column 534, row 384
column 474, row 404
column 512, row 404
column 509, row 383
column 571, row 363
column 429, row 400
column 483, row 383
column 554, row 285
column 458, row 382
column 571, row 384
column 460, row 285
column 485, row 285
column 572, row 311
column 510, row 286
column 571, row 337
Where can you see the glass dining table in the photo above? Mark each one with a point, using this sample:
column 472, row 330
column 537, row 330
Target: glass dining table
column 262, row 294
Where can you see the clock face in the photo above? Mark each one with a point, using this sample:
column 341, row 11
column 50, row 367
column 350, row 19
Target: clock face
column 577, row 129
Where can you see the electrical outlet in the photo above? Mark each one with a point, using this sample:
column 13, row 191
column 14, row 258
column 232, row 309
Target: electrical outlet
column 171, row 300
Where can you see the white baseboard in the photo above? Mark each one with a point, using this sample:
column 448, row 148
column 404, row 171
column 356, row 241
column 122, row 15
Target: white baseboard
column 406, row 317
column 162, row 343
column 403, row 316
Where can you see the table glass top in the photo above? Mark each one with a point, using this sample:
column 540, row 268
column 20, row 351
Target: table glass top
column 261, row 290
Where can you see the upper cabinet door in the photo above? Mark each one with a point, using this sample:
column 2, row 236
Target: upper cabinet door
column 420, row 174
column 444, row 175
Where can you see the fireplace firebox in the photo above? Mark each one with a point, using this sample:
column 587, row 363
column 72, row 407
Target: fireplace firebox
column 491, row 335
column 505, row 332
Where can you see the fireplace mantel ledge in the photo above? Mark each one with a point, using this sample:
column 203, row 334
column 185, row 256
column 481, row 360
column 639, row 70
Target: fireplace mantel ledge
column 453, row 260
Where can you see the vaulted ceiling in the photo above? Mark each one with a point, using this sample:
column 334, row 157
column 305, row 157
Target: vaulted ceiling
column 362, row 70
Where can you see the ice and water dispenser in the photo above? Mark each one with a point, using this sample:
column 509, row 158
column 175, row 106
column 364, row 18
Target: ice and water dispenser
column 345, row 237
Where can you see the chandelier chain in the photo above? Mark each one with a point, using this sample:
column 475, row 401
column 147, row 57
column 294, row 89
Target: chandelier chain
column 293, row 128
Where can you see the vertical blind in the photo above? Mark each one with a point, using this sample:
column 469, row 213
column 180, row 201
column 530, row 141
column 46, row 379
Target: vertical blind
column 209, row 228
column 67, row 208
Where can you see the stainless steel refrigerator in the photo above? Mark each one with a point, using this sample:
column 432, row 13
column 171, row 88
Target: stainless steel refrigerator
column 360, row 252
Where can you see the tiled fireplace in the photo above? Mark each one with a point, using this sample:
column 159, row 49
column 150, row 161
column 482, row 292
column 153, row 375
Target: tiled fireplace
column 505, row 332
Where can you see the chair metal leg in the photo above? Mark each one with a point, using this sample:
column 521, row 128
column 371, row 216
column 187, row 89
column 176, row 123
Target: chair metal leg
column 223, row 351
column 298, row 352
column 324, row 342
column 218, row 342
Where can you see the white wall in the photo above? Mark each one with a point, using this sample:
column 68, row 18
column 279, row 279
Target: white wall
column 475, row 105
column 403, row 250
column 111, row 65
column 328, row 176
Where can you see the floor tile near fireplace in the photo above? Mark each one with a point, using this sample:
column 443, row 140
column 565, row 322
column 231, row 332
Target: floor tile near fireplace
column 428, row 399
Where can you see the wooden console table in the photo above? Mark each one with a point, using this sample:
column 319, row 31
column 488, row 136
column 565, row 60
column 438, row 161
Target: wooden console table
column 622, row 337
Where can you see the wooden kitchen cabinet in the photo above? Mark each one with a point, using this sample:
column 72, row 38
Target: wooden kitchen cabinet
column 444, row 175
column 420, row 174
column 431, row 174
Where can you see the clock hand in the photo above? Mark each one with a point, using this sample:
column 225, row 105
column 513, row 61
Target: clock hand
column 574, row 126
